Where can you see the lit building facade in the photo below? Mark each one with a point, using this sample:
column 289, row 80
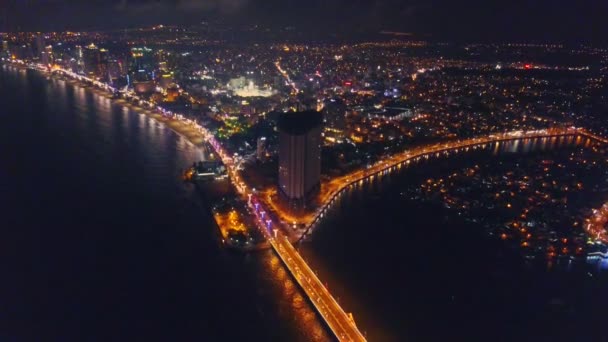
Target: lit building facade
column 40, row 46
column 5, row 50
column 299, row 154
column 261, row 149
column 335, row 121
column 47, row 55
column 95, row 61
column 142, row 58
column 142, row 68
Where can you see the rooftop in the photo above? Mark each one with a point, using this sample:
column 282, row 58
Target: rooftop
column 298, row 123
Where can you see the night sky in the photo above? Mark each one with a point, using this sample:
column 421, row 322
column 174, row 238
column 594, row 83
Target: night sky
column 521, row 20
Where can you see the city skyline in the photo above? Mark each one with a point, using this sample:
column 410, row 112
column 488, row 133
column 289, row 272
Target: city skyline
column 224, row 179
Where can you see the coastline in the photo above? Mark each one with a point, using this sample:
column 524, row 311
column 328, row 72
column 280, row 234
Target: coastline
column 183, row 129
column 186, row 130
column 260, row 246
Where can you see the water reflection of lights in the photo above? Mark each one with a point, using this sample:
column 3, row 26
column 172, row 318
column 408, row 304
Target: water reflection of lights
column 81, row 96
column 295, row 306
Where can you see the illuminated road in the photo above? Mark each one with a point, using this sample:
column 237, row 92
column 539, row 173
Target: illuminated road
column 286, row 77
column 331, row 190
column 342, row 326
column 338, row 321
column 393, row 162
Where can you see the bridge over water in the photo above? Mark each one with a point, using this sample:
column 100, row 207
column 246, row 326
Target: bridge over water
column 339, row 186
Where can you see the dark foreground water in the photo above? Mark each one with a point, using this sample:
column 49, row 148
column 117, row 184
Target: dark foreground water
column 415, row 271
column 101, row 241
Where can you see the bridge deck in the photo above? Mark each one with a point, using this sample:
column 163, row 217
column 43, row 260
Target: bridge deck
column 337, row 320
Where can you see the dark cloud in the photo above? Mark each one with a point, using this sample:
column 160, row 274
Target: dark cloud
column 469, row 19
column 226, row 6
column 223, row 6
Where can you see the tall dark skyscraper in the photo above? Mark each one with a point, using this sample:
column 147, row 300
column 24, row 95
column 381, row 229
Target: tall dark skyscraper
column 299, row 154
column 142, row 66
column 142, row 63
column 92, row 59
column 47, row 55
column 95, row 61
column 40, row 46
column 6, row 53
column 335, row 121
column 102, row 68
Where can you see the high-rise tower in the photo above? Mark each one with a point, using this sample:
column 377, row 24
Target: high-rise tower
column 299, row 154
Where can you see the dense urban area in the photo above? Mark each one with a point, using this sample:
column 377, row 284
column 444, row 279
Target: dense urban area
column 389, row 97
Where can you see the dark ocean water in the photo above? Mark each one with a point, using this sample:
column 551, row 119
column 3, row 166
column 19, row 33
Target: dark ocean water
column 417, row 271
column 101, row 241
